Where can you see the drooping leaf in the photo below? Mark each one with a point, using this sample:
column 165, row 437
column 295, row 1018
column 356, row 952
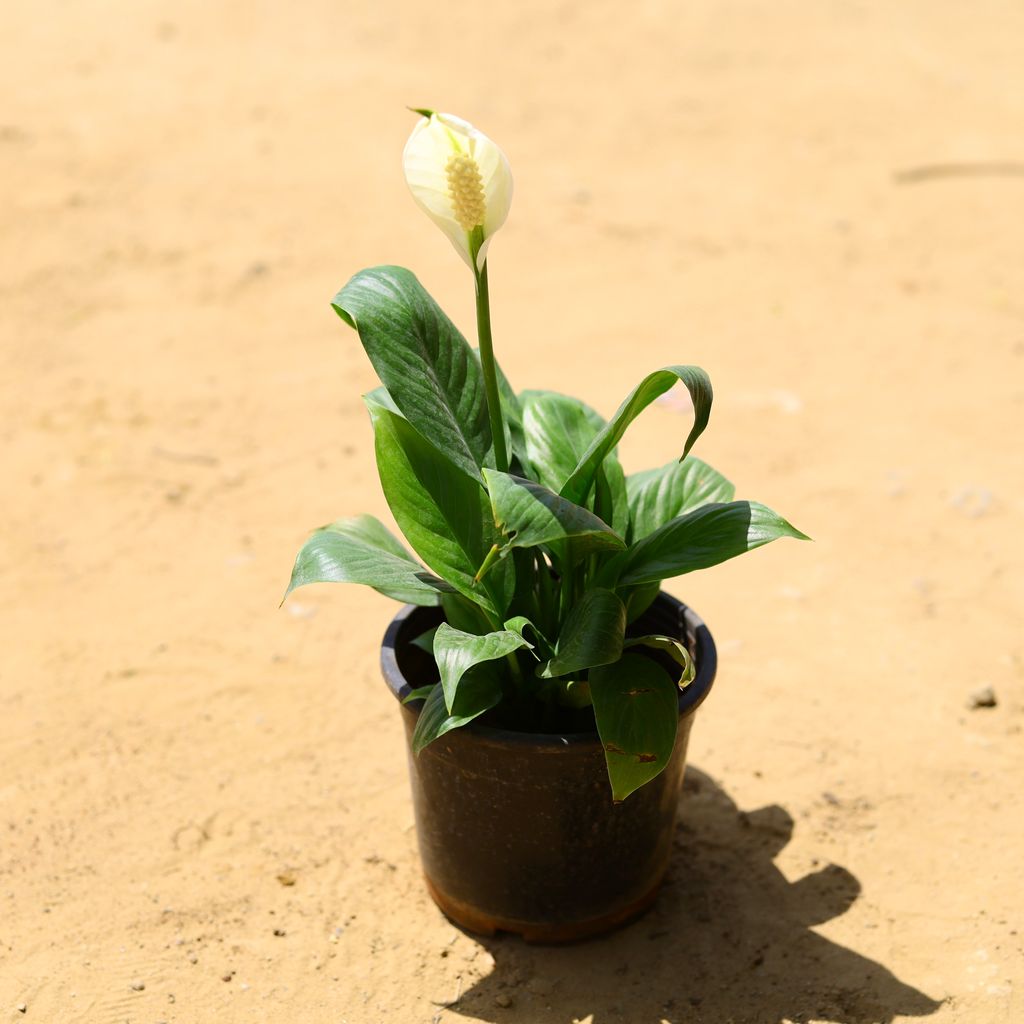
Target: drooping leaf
column 479, row 691
column 457, row 652
column 362, row 550
column 577, row 486
column 444, row 514
column 657, row 496
column 699, row 539
column 425, row 364
column 528, row 514
column 636, row 705
column 558, row 430
column 521, row 624
column 592, row 635
column 674, row 648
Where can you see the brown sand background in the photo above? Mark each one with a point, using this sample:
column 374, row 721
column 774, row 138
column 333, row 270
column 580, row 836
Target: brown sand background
column 820, row 202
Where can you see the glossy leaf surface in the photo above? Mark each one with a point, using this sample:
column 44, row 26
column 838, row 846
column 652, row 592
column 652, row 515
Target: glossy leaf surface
column 657, row 496
column 674, row 648
column 428, row 369
column 457, row 652
column 444, row 514
column 578, row 485
column 363, row 550
column 479, row 691
column 558, row 430
column 701, row 538
column 592, row 635
column 636, row 705
column 529, row 514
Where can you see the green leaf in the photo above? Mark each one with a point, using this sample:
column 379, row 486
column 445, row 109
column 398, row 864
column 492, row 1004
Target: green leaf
column 379, row 396
column 457, row 652
column 520, row 624
column 637, row 599
column 528, row 514
column 611, row 501
column 657, row 496
column 558, row 430
column 697, row 382
column 420, row 693
column 636, row 705
column 674, row 648
column 425, row 641
column 363, row 550
column 463, row 614
column 425, row 364
column 479, row 692
column 701, row 538
column 444, row 514
column 592, row 635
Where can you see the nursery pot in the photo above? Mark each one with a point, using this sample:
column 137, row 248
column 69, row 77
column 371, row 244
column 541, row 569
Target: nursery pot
column 517, row 831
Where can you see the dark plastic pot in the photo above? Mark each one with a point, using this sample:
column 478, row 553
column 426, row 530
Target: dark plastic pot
column 518, row 831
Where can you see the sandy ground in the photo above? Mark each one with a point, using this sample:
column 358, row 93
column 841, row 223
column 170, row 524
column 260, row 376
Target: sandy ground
column 204, row 813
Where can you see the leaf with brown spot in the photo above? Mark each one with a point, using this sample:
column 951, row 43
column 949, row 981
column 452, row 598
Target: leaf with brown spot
column 636, row 703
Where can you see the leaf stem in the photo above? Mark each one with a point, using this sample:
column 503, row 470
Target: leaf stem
column 483, row 330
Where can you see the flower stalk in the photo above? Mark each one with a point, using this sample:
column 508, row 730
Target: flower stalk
column 486, row 343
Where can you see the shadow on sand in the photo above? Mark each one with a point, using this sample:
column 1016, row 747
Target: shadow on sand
column 729, row 942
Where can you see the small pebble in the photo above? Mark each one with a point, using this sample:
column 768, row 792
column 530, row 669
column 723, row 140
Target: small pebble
column 138, row 986
column 22, row 1008
column 193, row 959
column 228, row 976
column 983, row 698
column 503, row 1000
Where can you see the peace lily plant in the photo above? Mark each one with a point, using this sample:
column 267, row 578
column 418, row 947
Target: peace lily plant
column 538, row 548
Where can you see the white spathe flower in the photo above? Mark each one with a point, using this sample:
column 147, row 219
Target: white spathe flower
column 460, row 179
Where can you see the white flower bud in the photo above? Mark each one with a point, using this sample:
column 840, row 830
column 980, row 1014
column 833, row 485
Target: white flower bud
column 460, row 179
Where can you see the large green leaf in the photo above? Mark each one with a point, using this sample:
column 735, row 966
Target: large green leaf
column 363, row 550
column 456, row 652
column 479, row 692
column 559, row 430
column 592, row 635
column 529, row 514
column 701, row 538
column 636, row 705
column 657, row 496
column 444, row 514
column 577, row 486
column 424, row 362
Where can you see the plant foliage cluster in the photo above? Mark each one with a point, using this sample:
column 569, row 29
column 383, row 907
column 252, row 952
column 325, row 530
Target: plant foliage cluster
column 540, row 567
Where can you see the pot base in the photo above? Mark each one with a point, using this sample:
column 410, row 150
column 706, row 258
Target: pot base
column 474, row 920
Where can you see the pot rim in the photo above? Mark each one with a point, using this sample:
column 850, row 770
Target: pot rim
column 705, row 656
